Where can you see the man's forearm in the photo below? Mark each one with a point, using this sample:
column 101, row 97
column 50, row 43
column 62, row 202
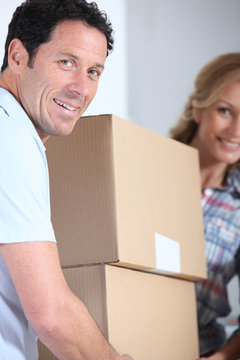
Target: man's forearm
column 75, row 335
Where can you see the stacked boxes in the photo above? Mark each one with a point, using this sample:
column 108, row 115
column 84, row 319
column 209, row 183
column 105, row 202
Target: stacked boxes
column 123, row 194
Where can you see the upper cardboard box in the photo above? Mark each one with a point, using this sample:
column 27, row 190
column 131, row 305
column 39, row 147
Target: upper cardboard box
column 120, row 192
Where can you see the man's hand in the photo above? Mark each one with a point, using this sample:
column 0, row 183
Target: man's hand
column 126, row 357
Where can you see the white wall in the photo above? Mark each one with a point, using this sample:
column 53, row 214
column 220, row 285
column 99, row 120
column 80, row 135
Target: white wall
column 113, row 88
column 5, row 17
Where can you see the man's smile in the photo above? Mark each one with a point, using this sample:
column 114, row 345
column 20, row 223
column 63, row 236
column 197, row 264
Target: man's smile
column 66, row 106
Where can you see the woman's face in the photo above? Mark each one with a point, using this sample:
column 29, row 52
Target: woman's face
column 218, row 134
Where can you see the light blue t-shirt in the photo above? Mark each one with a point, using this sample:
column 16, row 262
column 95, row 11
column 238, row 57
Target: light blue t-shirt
column 24, row 216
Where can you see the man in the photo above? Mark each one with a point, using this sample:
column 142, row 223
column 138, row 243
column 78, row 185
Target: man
column 54, row 56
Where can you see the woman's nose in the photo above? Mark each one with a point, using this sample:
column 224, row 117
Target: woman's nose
column 235, row 128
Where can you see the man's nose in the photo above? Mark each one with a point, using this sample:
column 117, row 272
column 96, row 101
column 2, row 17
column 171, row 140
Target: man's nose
column 80, row 84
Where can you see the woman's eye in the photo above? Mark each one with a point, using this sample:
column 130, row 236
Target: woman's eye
column 224, row 111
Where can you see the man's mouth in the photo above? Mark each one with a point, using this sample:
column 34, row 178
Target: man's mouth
column 66, row 106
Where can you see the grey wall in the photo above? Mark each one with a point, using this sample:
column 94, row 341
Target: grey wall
column 168, row 42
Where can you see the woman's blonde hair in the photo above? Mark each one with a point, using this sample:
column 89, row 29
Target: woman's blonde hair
column 209, row 84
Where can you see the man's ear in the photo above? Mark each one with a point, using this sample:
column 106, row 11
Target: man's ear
column 17, row 55
column 197, row 113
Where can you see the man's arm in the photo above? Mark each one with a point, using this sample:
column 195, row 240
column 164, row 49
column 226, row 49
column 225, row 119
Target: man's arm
column 59, row 318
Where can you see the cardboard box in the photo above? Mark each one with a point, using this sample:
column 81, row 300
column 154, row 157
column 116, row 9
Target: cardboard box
column 149, row 316
column 119, row 190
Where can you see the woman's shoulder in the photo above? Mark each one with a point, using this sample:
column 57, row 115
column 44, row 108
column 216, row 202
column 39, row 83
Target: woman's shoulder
column 234, row 180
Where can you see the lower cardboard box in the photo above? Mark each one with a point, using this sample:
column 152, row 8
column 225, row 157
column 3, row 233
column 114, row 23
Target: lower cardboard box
column 149, row 316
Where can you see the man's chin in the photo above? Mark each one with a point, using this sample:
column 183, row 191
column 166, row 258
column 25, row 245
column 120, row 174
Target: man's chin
column 63, row 130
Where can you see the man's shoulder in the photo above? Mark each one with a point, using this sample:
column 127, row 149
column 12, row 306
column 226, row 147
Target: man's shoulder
column 20, row 147
column 12, row 132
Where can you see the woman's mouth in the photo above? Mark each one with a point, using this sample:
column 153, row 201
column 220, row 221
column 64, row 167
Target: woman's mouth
column 230, row 144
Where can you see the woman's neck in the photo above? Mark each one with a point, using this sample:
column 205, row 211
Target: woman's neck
column 212, row 176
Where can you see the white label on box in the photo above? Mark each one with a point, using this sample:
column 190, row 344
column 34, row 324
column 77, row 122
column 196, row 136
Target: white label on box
column 167, row 254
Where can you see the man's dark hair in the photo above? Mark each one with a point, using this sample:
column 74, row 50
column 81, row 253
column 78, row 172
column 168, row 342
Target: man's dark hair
column 34, row 21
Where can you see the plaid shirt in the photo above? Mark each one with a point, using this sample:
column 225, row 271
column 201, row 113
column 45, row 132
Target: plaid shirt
column 221, row 213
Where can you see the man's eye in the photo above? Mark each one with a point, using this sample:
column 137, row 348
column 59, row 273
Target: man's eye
column 94, row 73
column 66, row 63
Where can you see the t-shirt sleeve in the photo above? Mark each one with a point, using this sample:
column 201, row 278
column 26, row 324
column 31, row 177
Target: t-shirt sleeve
column 24, row 188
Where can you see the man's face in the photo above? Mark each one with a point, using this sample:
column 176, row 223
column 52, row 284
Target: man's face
column 63, row 79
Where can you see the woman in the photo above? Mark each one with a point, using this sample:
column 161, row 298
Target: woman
column 211, row 123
